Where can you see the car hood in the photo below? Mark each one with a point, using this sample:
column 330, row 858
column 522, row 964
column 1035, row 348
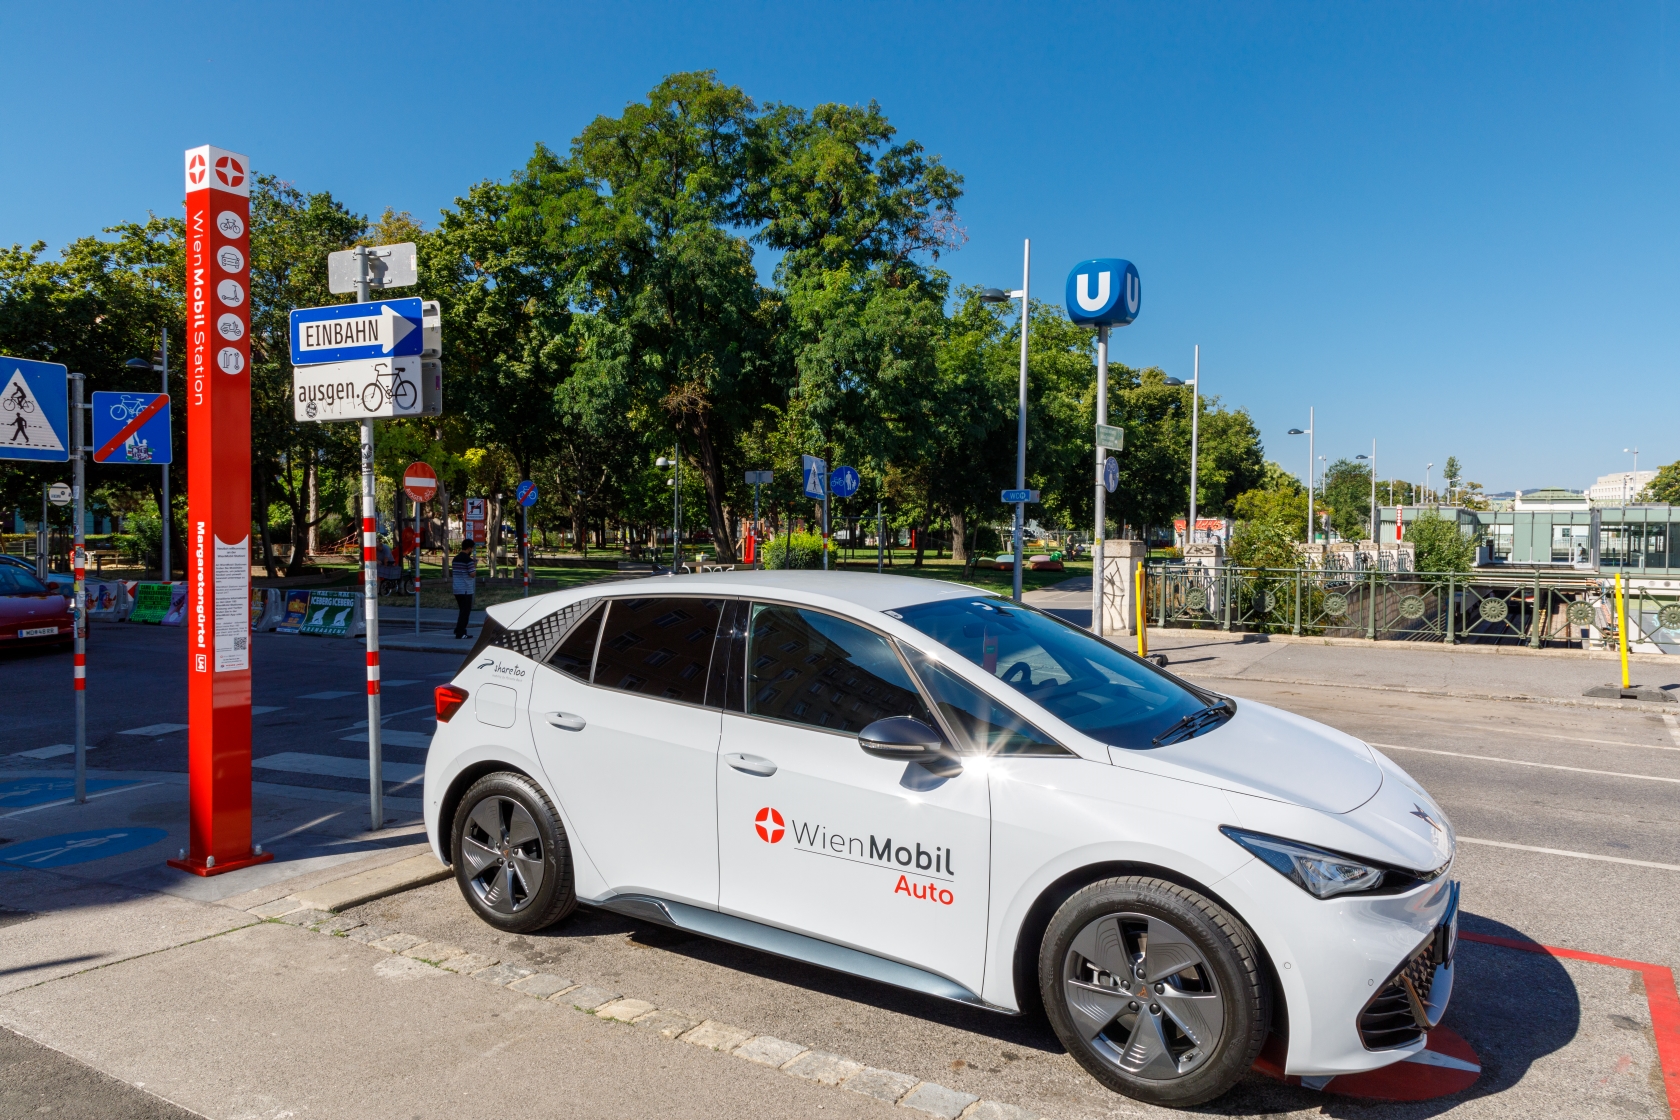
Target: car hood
column 1271, row 753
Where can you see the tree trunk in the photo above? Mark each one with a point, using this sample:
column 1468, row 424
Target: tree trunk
column 267, row 540
column 711, row 472
column 493, row 506
column 921, row 541
column 314, row 545
column 959, row 543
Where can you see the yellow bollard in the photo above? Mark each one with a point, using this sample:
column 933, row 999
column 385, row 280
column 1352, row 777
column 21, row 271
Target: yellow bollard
column 1621, row 627
column 1142, row 613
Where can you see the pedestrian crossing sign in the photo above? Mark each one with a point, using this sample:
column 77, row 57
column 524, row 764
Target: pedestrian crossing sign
column 34, row 410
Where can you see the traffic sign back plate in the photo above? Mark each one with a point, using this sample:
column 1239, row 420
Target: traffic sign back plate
column 389, row 266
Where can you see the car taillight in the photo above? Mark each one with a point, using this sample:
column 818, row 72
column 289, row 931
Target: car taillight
column 448, row 700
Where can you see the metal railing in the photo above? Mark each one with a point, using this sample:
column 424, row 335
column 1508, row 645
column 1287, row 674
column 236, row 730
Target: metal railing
column 1530, row 608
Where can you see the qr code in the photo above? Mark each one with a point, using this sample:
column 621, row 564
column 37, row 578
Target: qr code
column 240, row 643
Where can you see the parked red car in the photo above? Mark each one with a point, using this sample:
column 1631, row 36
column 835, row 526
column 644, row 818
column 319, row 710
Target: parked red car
column 31, row 613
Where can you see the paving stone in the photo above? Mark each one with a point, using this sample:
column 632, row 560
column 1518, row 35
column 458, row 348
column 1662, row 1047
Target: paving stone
column 542, row 985
column 501, row 975
column 587, row 999
column 938, row 1100
column 625, row 1010
column 397, row 942
column 369, row 934
column 466, row 964
column 276, row 908
column 434, row 952
column 717, row 1036
column 823, row 1067
column 305, row 917
column 667, row 1024
column 338, row 923
column 882, row 1084
column 768, row 1051
column 995, row 1110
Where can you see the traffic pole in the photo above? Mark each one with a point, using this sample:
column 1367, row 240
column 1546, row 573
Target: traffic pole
column 370, row 594
column 880, row 541
column 79, row 600
column 1102, row 492
column 524, row 549
column 417, row 567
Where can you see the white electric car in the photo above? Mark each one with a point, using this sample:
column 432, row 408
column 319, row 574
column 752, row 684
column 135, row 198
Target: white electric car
column 925, row 784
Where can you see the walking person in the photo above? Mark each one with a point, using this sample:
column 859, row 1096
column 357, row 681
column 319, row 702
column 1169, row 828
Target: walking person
column 463, row 572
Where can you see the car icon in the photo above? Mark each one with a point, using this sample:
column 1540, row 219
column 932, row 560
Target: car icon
column 930, row 786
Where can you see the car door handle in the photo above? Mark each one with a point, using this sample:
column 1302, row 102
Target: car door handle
column 751, row 764
column 566, row 721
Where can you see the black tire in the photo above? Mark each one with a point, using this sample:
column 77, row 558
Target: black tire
column 495, row 881
column 1225, row 979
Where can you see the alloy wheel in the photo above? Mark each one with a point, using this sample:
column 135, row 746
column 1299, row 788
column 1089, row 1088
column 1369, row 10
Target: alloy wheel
column 1143, row 996
column 504, row 854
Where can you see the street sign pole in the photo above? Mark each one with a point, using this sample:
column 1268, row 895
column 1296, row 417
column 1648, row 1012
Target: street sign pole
column 1021, row 425
column 880, row 553
column 79, row 567
column 1102, row 491
column 168, row 521
column 417, row 540
column 757, row 563
column 218, row 404
column 370, row 592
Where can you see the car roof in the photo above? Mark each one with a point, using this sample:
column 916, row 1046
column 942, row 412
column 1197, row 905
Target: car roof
column 864, row 590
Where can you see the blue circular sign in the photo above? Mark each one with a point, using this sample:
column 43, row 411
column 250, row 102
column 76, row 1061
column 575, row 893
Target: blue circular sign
column 843, row 482
column 527, row 493
column 1111, row 473
column 69, row 848
column 1104, row 292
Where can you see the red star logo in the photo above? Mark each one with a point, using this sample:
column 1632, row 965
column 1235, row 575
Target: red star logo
column 229, row 171
column 195, row 170
column 769, row 824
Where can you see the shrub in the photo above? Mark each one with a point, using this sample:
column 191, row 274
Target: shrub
column 794, row 550
column 1266, row 543
column 1441, row 545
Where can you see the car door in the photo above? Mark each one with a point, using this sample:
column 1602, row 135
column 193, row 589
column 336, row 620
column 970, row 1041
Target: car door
column 816, row 836
column 623, row 730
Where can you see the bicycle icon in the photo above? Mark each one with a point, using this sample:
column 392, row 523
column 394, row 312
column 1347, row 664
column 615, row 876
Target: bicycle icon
column 18, row 401
column 387, row 386
column 127, row 408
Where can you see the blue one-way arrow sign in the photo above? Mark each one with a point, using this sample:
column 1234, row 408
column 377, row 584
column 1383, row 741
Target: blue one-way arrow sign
column 1013, row 496
column 347, row 332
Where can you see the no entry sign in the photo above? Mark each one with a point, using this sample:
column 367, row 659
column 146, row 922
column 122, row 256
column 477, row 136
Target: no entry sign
column 218, row 403
column 420, row 482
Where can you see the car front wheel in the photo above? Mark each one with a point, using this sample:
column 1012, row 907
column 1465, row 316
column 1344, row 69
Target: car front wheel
column 512, row 862
column 1157, row 991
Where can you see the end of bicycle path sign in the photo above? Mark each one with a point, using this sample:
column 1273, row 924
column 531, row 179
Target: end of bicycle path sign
column 34, row 410
column 131, row 428
column 365, row 390
column 347, row 332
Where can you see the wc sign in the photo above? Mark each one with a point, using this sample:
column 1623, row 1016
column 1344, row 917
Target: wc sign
column 1104, row 293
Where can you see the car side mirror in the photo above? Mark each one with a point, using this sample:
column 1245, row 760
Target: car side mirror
column 907, row 739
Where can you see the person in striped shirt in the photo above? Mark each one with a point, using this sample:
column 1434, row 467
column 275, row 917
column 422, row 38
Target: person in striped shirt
column 463, row 574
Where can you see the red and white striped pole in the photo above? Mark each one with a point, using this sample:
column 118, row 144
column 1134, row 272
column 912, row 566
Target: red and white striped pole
column 370, row 577
column 417, row 542
column 78, row 615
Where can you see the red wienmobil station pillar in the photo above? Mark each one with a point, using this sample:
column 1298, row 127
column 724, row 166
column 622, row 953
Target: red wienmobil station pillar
column 218, row 403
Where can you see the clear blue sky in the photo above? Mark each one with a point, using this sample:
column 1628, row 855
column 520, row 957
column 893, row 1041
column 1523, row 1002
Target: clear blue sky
column 1451, row 228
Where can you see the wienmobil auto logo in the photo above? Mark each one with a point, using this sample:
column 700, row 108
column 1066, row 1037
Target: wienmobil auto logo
column 770, row 825
column 913, row 857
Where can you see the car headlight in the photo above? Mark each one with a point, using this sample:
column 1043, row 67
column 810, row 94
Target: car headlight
column 1321, row 873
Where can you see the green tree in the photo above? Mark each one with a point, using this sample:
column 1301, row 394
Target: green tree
column 1441, row 545
column 1665, row 487
column 1347, row 495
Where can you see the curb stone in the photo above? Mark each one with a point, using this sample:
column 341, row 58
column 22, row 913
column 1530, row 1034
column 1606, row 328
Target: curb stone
column 818, row 1066
column 275, row 909
column 307, row 918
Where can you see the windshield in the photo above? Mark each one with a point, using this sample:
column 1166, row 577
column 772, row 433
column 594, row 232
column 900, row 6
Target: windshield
column 16, row 581
column 1090, row 685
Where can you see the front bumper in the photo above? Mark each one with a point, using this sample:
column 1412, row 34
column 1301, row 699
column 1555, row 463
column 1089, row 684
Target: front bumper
column 1414, row 997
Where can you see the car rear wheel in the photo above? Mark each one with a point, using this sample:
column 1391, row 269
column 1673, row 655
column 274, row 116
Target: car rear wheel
column 1157, row 991
column 512, row 861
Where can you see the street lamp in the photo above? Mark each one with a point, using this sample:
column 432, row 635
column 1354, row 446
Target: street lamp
column 1427, row 468
column 1308, row 432
column 1627, row 484
column 997, row 295
column 146, row 365
column 1373, row 460
column 1195, row 421
column 675, row 483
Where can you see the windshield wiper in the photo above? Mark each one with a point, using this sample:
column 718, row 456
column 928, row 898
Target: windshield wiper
column 1196, row 722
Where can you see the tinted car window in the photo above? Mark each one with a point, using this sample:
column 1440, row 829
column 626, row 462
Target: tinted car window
column 575, row 655
column 1082, row 680
column 813, row 668
column 980, row 723
column 658, row 646
column 16, row 581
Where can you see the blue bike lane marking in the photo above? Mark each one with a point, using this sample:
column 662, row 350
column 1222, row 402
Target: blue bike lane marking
column 69, row 848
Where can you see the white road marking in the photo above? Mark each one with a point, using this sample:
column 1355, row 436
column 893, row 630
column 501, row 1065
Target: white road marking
column 1524, row 762
column 333, row 766
column 155, row 729
column 422, row 739
column 327, row 695
column 264, row 709
column 1674, row 730
column 50, row 752
column 1673, row 727
column 1571, row 855
column 303, row 827
column 395, row 684
column 72, row 800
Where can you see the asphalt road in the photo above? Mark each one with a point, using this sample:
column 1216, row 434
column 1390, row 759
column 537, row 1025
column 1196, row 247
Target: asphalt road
column 1595, row 787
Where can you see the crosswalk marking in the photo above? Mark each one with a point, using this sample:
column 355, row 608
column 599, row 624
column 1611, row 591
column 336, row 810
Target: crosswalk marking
column 50, row 752
column 390, row 737
column 155, row 729
column 333, row 766
column 264, row 709
column 327, row 695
